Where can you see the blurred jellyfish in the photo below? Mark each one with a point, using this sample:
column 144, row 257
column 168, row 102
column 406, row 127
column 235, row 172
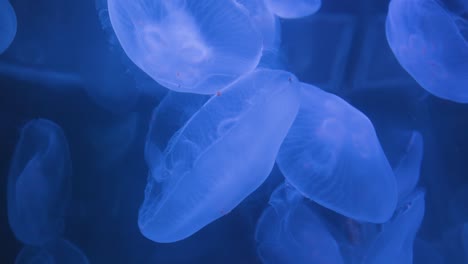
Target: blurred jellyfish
column 8, row 25
column 395, row 243
column 293, row 8
column 221, row 155
column 408, row 169
column 39, row 183
column 431, row 43
column 289, row 231
column 332, row 155
column 168, row 117
column 56, row 252
column 188, row 46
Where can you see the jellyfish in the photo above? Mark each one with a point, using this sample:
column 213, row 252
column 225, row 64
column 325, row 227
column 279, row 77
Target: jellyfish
column 55, row 252
column 431, row 43
column 293, row 8
column 332, row 156
column 289, row 231
column 188, row 46
column 168, row 117
column 39, row 183
column 395, row 243
column 223, row 153
column 408, row 169
column 8, row 25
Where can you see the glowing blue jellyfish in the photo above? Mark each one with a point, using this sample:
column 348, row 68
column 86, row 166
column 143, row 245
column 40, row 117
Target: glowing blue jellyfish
column 408, row 169
column 395, row 243
column 59, row 251
column 333, row 156
column 39, row 183
column 289, row 231
column 188, row 46
column 221, row 155
column 168, row 117
column 7, row 25
column 293, row 8
column 431, row 43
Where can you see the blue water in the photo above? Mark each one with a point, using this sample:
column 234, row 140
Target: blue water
column 234, row 131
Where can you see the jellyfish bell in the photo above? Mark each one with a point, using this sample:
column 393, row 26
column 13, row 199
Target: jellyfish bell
column 8, row 25
column 187, row 46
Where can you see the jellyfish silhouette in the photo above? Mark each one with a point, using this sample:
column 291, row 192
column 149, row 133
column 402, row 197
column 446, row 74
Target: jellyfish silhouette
column 293, row 8
column 39, row 183
column 188, row 46
column 431, row 43
column 8, row 25
column 223, row 153
column 332, row 155
column 55, row 252
column 289, row 231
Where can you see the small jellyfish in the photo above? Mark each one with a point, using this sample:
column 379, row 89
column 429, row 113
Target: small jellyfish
column 39, row 183
column 408, row 169
column 395, row 243
column 168, row 117
column 293, row 8
column 8, row 25
column 332, row 156
column 223, row 153
column 431, row 43
column 188, row 46
column 55, row 252
column 289, row 231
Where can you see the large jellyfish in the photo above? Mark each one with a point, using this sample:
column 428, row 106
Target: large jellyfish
column 293, row 8
column 289, row 231
column 39, row 183
column 395, row 243
column 408, row 169
column 431, row 43
column 221, row 155
column 332, row 155
column 55, row 252
column 196, row 46
column 7, row 25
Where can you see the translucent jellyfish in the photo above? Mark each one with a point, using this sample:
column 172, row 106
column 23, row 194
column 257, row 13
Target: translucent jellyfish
column 289, row 231
column 39, row 183
column 431, row 43
column 395, row 243
column 188, row 46
column 168, row 117
column 222, row 154
column 332, row 155
column 293, row 8
column 408, row 169
column 56, row 252
column 266, row 23
column 7, row 25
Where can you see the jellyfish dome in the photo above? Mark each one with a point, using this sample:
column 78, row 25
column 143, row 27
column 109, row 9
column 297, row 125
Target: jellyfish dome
column 8, row 25
column 293, row 8
column 332, row 156
column 224, row 152
column 196, row 46
column 39, row 183
column 431, row 43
